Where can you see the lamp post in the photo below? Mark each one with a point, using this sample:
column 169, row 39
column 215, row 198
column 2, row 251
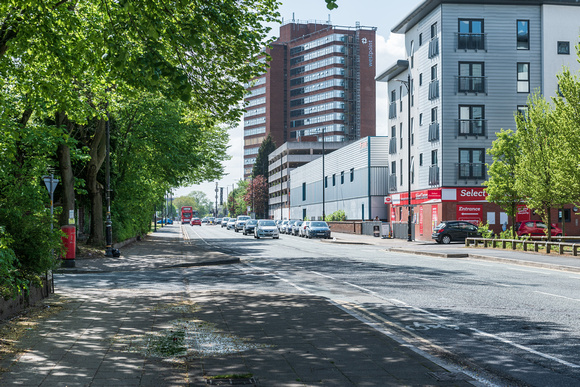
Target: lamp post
column 108, row 222
column 407, row 84
column 323, row 185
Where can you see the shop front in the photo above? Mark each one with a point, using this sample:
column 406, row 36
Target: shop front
column 432, row 206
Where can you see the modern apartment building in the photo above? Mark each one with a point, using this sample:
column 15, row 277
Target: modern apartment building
column 320, row 83
column 469, row 66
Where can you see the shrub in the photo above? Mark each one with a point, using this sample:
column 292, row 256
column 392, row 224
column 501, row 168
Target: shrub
column 337, row 216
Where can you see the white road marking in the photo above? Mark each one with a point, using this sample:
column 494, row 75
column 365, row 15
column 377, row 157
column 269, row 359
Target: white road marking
column 527, row 349
column 556, row 295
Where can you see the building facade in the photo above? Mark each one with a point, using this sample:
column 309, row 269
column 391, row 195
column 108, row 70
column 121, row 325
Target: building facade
column 320, row 83
column 469, row 68
column 353, row 178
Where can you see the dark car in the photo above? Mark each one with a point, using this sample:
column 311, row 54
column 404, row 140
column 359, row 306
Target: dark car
column 454, row 230
column 296, row 227
column 318, row 229
column 537, row 228
column 249, row 226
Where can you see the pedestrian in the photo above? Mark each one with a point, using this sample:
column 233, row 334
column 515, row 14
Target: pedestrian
column 376, row 218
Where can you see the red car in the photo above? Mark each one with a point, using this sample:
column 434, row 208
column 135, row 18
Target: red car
column 196, row 222
column 537, row 228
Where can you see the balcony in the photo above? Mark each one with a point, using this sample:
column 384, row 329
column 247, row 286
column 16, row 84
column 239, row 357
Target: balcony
column 393, row 110
column 434, row 131
column 392, row 182
column 468, row 41
column 471, row 127
column 434, row 47
column 393, row 145
column 470, row 84
column 470, row 171
column 434, row 89
column 434, row 174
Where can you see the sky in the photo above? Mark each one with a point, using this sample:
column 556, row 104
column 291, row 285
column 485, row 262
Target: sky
column 382, row 14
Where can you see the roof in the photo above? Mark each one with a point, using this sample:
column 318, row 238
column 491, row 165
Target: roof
column 393, row 71
column 429, row 5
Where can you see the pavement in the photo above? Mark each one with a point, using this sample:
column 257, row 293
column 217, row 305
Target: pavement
column 124, row 337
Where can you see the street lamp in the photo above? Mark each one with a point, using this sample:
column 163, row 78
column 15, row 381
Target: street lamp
column 323, row 185
column 108, row 222
column 407, row 84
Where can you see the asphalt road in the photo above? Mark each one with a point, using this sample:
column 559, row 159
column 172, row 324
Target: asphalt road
column 503, row 324
column 516, row 322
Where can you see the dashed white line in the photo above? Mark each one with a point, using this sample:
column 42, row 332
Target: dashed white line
column 556, row 295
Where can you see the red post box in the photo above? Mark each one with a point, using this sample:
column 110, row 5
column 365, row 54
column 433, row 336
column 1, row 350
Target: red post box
column 69, row 241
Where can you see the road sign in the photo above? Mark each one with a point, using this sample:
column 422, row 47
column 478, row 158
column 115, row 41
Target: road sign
column 47, row 181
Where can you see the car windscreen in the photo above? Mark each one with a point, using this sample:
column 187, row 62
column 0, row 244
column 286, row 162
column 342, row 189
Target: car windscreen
column 318, row 224
column 267, row 223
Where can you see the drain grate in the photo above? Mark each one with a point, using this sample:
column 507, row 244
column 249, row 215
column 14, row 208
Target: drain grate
column 448, row 376
column 234, row 382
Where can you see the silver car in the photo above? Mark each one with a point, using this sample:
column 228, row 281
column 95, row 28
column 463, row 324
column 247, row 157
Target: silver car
column 240, row 221
column 266, row 228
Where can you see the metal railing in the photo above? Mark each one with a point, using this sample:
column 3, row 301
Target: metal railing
column 433, row 131
column 470, row 41
column 474, row 127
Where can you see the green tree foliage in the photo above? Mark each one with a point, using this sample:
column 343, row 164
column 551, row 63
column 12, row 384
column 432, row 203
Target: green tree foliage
column 196, row 199
column 236, row 202
column 257, row 196
column 501, row 185
column 539, row 177
column 336, row 216
column 261, row 164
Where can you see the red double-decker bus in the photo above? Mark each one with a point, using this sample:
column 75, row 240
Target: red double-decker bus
column 186, row 214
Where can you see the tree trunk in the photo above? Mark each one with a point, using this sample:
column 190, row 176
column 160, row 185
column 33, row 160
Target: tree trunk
column 67, row 177
column 95, row 189
column 549, row 225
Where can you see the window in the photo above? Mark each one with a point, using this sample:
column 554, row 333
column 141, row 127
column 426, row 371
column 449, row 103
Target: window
column 421, row 79
column 434, row 114
column 563, row 48
column 412, row 130
column 420, row 39
column 342, row 177
column 471, row 119
column 433, row 72
column 351, row 175
column 401, row 133
column 393, row 95
column 566, row 215
column 471, row 163
column 471, row 77
column 401, row 171
column 325, row 181
column 412, row 170
column 303, row 191
column 393, row 131
column 420, row 119
column 412, row 52
column 400, row 98
column 470, row 35
column 394, row 167
column 523, row 110
column 412, row 94
column 420, row 159
column 433, row 30
column 523, row 77
column 333, row 179
column 434, row 157
column 523, row 35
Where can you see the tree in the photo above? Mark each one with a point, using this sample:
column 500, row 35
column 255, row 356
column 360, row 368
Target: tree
column 261, row 164
column 539, row 177
column 257, row 195
column 501, row 185
column 236, row 202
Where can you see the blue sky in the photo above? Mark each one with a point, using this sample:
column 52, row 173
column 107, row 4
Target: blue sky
column 382, row 14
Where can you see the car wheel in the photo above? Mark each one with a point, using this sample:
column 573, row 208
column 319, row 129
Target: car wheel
column 276, row 237
column 558, row 235
column 445, row 239
column 257, row 237
column 236, row 229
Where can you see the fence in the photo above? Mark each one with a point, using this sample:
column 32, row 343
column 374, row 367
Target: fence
column 532, row 244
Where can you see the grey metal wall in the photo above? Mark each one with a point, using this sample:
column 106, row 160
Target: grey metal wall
column 500, row 58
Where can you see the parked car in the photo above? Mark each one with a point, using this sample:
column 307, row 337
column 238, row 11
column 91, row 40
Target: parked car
column 249, row 226
column 302, row 229
column 455, row 230
column 231, row 224
column 240, row 221
column 210, row 220
column 537, row 228
column 296, row 227
column 287, row 228
column 266, row 228
column 204, row 220
column 195, row 222
column 165, row 221
column 282, row 225
column 318, row 229
column 225, row 221
column 217, row 221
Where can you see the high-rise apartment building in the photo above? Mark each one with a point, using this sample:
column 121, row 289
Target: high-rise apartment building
column 470, row 66
column 320, row 83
